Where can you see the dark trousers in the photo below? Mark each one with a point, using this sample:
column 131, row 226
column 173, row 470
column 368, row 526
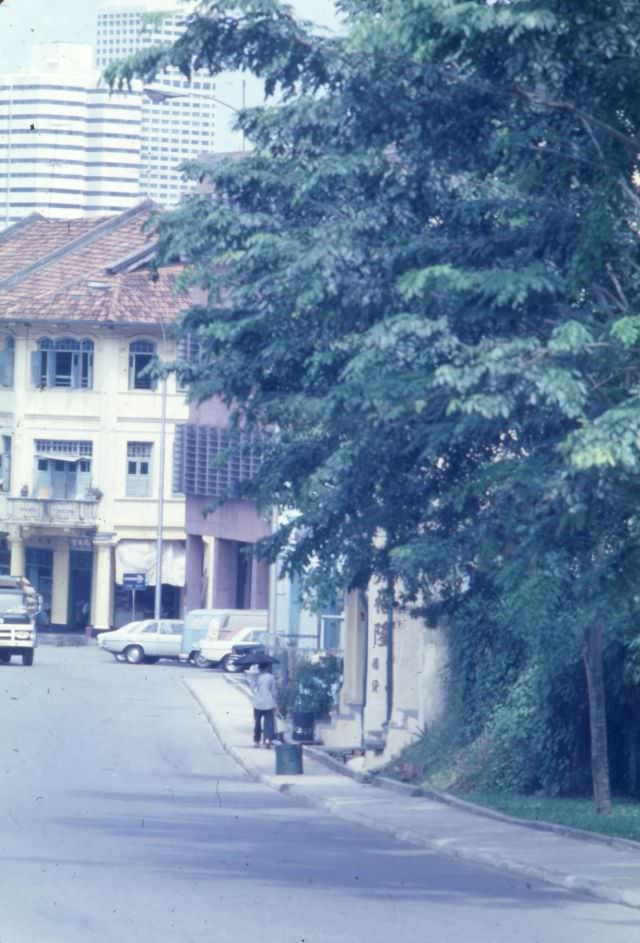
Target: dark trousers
column 261, row 718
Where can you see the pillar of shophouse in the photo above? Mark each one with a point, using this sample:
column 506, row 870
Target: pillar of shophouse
column 17, row 550
column 193, row 594
column 60, row 589
column 101, row 609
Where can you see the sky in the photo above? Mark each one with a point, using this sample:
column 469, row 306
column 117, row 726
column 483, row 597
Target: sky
column 24, row 22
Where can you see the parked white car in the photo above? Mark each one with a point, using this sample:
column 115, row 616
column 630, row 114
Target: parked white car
column 223, row 651
column 146, row 641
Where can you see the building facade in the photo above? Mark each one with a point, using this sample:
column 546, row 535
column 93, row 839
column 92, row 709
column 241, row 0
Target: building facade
column 208, row 463
column 184, row 121
column 68, row 147
column 86, row 433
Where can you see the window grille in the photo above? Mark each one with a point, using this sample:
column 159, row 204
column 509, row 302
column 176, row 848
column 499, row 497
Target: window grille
column 211, row 462
column 64, row 448
column 138, row 449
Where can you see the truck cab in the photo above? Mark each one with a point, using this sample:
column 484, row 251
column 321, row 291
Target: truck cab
column 19, row 605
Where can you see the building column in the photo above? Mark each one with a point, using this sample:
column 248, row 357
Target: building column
column 101, row 603
column 17, row 549
column 193, row 573
column 60, row 593
column 259, row 584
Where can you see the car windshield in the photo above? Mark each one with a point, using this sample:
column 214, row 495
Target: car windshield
column 129, row 627
column 12, row 602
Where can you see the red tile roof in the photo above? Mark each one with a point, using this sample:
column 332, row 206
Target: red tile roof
column 59, row 270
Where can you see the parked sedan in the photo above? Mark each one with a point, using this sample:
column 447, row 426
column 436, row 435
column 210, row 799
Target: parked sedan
column 146, row 641
column 224, row 651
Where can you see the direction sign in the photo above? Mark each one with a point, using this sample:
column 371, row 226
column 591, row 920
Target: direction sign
column 134, row 581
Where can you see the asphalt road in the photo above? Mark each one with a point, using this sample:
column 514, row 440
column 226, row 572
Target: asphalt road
column 125, row 822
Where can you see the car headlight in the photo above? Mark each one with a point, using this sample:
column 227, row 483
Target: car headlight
column 23, row 634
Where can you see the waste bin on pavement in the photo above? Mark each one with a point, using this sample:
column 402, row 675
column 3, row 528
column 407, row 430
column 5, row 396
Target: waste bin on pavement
column 288, row 759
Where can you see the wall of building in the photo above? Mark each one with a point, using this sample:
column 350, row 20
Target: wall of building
column 109, row 416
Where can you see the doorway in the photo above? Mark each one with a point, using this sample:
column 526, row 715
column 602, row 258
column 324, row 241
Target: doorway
column 79, row 604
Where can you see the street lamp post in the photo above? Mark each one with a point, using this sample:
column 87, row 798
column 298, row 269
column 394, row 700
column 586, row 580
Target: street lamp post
column 159, row 95
column 157, row 609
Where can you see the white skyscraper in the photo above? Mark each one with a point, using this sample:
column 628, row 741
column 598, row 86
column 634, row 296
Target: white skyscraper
column 67, row 146
column 185, row 122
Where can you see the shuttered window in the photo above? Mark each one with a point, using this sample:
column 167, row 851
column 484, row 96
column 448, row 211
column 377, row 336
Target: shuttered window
column 211, row 462
column 138, row 469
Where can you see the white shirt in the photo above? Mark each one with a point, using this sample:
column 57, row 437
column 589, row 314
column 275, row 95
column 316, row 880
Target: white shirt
column 264, row 691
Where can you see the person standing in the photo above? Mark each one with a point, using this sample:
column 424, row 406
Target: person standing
column 264, row 705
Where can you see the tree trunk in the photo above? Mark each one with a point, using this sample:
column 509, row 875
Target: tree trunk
column 391, row 599
column 592, row 656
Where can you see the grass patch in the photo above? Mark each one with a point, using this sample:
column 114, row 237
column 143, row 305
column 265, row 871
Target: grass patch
column 624, row 821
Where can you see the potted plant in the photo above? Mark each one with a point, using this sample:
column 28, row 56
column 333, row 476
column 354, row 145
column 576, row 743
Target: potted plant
column 313, row 693
column 93, row 494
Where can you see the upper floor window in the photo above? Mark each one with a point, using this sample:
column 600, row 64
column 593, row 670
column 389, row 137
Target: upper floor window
column 141, row 356
column 138, row 469
column 7, row 355
column 187, row 354
column 64, row 362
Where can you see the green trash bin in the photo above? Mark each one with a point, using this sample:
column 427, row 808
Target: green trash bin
column 288, row 759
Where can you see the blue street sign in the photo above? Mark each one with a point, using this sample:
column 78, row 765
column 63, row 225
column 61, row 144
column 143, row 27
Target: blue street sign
column 134, row 581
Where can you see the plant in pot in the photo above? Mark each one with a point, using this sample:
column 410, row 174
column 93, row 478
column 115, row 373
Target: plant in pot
column 313, row 693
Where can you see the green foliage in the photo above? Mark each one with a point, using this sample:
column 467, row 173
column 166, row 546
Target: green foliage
column 314, row 688
column 624, row 822
column 424, row 278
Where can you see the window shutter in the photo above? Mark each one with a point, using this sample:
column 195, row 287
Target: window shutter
column 36, row 368
column 75, row 371
column 51, row 368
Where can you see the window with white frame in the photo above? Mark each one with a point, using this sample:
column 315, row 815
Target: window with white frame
column 138, row 469
column 141, row 356
column 63, row 362
column 62, row 468
column 7, row 356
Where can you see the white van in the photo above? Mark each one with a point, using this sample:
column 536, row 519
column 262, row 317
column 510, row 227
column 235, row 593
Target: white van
column 216, row 628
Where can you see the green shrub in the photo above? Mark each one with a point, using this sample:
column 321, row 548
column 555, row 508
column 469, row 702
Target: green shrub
column 315, row 686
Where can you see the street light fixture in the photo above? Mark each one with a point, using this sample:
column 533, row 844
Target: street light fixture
column 159, row 95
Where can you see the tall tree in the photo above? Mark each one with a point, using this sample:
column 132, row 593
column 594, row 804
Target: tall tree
column 424, row 279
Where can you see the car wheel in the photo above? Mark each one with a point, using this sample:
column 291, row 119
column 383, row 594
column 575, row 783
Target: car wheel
column 200, row 661
column 119, row 656
column 134, row 654
column 228, row 664
column 27, row 657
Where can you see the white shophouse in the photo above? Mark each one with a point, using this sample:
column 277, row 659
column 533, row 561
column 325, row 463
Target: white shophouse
column 82, row 424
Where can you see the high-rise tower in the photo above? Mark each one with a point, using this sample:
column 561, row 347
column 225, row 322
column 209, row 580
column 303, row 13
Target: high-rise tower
column 67, row 146
column 183, row 124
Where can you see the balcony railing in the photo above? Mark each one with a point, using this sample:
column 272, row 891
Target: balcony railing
column 52, row 512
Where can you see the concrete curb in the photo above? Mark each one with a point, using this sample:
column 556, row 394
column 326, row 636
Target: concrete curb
column 539, row 826
column 548, row 875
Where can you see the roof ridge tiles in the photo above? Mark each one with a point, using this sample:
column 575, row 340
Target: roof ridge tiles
column 84, row 239
column 23, row 223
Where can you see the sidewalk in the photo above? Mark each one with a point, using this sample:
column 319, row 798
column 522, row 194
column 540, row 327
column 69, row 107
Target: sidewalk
column 603, row 868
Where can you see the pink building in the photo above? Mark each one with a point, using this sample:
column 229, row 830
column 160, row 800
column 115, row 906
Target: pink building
column 220, row 573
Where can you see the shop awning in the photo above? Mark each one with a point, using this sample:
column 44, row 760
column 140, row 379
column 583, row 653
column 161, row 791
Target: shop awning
column 139, row 556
